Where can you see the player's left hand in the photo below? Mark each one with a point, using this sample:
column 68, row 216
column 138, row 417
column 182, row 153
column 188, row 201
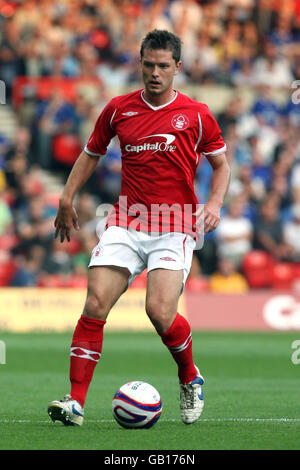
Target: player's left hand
column 207, row 216
column 66, row 219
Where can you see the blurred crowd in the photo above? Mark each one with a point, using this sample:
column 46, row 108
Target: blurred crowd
column 237, row 44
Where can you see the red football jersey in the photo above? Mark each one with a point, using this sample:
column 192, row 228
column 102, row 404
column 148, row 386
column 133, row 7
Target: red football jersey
column 161, row 147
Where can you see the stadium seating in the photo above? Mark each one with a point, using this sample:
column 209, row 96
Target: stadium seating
column 296, row 270
column 76, row 281
column 54, row 280
column 73, row 246
column 197, row 284
column 74, row 82
column 9, row 241
column 257, row 267
column 66, row 148
column 7, row 271
column 282, row 275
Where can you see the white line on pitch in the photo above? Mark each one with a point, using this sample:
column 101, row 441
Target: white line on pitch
column 206, row 420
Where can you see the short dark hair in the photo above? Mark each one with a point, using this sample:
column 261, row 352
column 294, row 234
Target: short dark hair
column 162, row 39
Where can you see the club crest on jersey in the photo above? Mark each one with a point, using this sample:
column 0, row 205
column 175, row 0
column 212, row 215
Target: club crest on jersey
column 180, row 122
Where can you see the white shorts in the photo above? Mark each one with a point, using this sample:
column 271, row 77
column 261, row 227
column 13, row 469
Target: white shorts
column 136, row 251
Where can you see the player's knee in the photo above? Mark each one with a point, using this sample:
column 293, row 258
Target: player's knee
column 96, row 307
column 161, row 314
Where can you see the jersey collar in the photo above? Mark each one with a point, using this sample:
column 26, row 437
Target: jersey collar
column 156, row 108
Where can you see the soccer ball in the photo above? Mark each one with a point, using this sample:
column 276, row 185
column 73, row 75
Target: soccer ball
column 137, row 405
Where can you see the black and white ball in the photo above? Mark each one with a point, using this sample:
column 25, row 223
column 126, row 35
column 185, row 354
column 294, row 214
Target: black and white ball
column 137, row 405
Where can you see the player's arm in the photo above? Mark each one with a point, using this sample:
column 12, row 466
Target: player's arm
column 66, row 216
column 218, row 190
column 219, row 186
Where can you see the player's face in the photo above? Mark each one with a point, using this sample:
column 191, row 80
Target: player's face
column 159, row 69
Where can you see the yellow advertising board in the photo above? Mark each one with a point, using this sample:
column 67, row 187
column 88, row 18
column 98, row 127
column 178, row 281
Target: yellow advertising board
column 29, row 309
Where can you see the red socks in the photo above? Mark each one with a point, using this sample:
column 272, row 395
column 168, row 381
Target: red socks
column 86, row 350
column 178, row 340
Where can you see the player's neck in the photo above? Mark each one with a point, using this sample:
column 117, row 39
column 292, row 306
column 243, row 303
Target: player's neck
column 161, row 99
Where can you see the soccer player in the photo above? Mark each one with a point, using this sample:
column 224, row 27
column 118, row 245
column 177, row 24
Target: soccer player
column 162, row 135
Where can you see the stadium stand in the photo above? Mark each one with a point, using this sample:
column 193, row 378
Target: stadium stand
column 62, row 61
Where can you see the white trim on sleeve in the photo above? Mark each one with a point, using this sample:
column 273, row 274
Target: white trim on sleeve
column 93, row 154
column 216, row 152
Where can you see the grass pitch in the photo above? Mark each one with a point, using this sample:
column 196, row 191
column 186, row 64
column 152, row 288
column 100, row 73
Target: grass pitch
column 251, row 393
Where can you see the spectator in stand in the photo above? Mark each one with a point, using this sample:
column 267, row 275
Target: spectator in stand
column 93, row 111
column 16, row 170
column 6, row 217
column 261, row 169
column 88, row 60
column 29, row 269
column 244, row 75
column 235, row 43
column 34, row 225
column 158, row 16
column 223, row 75
column 81, row 260
column 81, row 111
column 227, row 280
column 291, row 112
column 282, row 34
column 203, row 57
column 16, row 162
column 20, row 145
column 54, row 116
column 295, row 175
column 268, row 234
column 234, row 233
column 110, row 173
column 86, row 208
column 11, row 57
column 206, row 257
column 271, row 69
column 291, row 234
column 112, row 75
column 186, row 17
column 60, row 62
column 280, row 186
column 58, row 260
column 287, row 213
column 231, row 114
column 264, row 108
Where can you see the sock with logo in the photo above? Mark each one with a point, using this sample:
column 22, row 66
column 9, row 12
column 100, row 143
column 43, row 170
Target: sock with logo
column 85, row 353
column 178, row 340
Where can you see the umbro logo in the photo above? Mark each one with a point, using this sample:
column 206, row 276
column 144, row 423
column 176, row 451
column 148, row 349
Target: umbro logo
column 166, row 258
column 130, row 113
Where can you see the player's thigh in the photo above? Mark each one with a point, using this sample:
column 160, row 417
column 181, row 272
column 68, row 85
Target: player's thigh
column 164, row 287
column 105, row 285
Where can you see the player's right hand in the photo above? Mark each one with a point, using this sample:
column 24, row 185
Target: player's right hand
column 66, row 218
